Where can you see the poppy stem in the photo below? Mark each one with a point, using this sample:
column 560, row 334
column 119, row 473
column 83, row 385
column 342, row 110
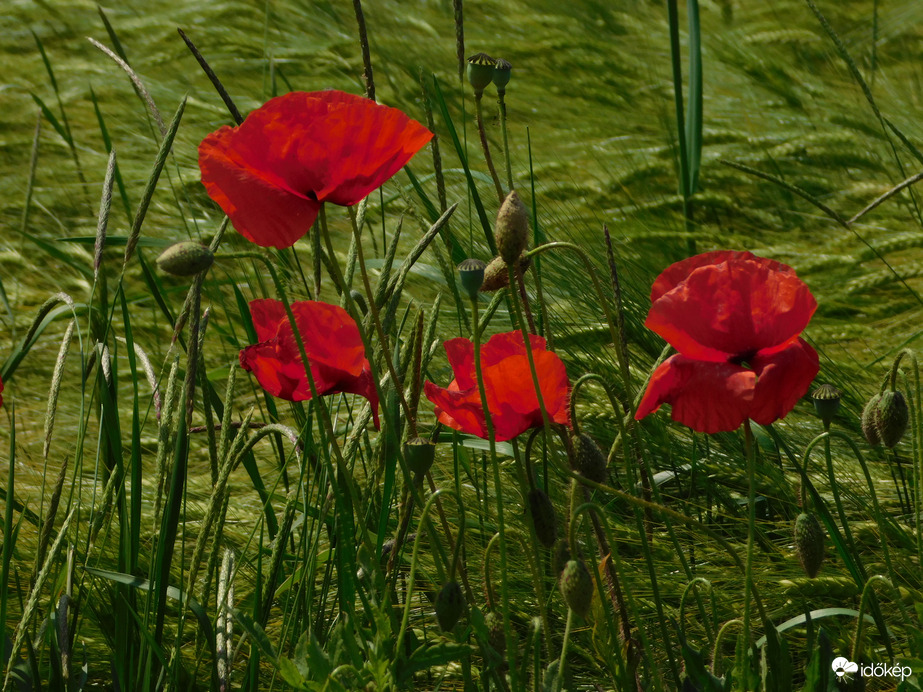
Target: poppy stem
column 527, row 342
column 750, row 452
column 511, row 643
column 373, row 310
column 478, row 95
column 501, row 103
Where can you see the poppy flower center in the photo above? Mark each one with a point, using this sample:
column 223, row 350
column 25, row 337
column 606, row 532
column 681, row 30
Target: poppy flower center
column 744, row 359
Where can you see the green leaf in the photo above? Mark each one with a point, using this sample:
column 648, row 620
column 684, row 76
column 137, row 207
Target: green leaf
column 425, row 657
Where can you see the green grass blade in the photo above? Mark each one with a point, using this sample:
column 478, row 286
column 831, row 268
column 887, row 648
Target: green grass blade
column 459, row 149
column 694, row 119
column 159, row 162
column 8, row 537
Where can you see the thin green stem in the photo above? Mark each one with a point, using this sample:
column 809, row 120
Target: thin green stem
column 751, row 527
column 501, row 102
column 478, row 95
column 498, row 491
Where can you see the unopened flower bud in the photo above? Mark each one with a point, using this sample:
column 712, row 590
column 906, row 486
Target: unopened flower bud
column 588, row 460
column 543, row 517
column 450, row 604
column 503, row 70
column 577, row 587
column 495, row 634
column 891, row 418
column 512, row 229
column 471, row 273
column 809, row 543
column 480, row 71
column 826, row 403
column 869, row 428
column 185, row 259
column 497, row 276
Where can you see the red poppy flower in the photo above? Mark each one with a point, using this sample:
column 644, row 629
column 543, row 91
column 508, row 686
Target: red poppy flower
column 331, row 342
column 271, row 173
column 508, row 384
column 735, row 319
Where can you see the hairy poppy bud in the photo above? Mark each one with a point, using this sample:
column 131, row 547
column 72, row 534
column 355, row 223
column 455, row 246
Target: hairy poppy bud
column 826, row 403
column 419, row 453
column 543, row 517
column 577, row 587
column 869, row 429
column 497, row 276
column 809, row 543
column 359, row 300
column 450, row 604
column 495, row 634
column 503, row 70
column 471, row 273
column 185, row 259
column 589, row 460
column 512, row 229
column 480, row 71
column 560, row 556
column 891, row 418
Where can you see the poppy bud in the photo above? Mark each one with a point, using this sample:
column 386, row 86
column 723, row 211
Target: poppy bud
column 543, row 517
column 419, row 454
column 512, row 229
column 450, row 604
column 495, row 634
column 560, row 556
column 185, row 259
column 577, row 587
column 588, row 460
column 359, row 300
column 503, row 70
column 809, row 543
column 480, row 71
column 826, row 403
column 497, row 276
column 891, row 418
column 869, row 430
column 471, row 273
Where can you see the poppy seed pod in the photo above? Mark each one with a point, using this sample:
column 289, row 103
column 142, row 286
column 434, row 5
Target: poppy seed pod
column 503, row 70
column 480, row 71
column 543, row 517
column 497, row 276
column 185, row 259
column 891, row 418
column 809, row 543
column 577, row 587
column 419, row 453
column 512, row 229
column 450, row 604
column 589, row 460
column 869, row 429
column 471, row 274
column 826, row 403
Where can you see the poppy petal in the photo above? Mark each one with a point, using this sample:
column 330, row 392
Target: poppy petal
column 783, row 377
column 270, row 173
column 459, row 410
column 735, row 308
column 707, row 397
column 460, row 353
column 331, row 342
column 261, row 210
